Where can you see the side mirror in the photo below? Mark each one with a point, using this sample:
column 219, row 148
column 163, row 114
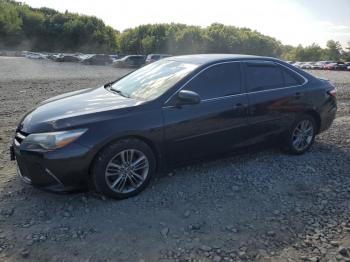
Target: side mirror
column 186, row 97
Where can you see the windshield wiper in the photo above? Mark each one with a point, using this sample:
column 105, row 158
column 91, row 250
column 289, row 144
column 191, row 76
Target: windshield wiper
column 119, row 92
column 108, row 84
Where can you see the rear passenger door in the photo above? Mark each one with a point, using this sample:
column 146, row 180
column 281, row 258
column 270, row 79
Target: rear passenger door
column 216, row 123
column 275, row 94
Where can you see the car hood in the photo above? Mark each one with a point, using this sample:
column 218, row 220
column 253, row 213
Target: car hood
column 75, row 108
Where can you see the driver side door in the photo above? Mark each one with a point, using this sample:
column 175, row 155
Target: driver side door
column 214, row 125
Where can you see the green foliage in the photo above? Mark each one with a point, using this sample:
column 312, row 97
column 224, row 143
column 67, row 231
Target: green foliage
column 314, row 52
column 190, row 40
column 309, row 53
column 24, row 27
column 346, row 54
column 334, row 50
column 183, row 39
column 45, row 29
column 10, row 23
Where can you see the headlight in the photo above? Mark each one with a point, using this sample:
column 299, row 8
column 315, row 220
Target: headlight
column 52, row 140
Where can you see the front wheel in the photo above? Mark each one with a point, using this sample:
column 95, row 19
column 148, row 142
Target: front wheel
column 123, row 169
column 301, row 135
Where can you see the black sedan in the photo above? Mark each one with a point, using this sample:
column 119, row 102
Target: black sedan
column 116, row 137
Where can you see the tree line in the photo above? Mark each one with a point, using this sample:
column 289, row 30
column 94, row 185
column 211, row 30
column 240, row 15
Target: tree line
column 44, row 29
column 333, row 51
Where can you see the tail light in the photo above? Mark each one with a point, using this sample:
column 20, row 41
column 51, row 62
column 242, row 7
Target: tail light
column 333, row 92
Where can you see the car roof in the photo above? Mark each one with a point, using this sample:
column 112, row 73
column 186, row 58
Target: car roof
column 207, row 59
column 202, row 59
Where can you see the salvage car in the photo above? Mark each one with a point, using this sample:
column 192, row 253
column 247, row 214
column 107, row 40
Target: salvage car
column 116, row 138
column 318, row 65
column 340, row 66
column 130, row 61
column 306, row 65
column 68, row 58
column 98, row 59
column 151, row 58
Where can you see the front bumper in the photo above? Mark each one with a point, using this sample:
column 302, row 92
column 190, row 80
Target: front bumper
column 64, row 169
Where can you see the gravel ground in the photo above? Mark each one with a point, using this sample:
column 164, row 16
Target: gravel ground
column 258, row 206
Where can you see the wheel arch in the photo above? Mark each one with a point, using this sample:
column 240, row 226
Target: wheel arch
column 315, row 115
column 155, row 149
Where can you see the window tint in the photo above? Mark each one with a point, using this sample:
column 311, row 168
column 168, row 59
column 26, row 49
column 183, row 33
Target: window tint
column 217, row 81
column 264, row 77
column 290, row 78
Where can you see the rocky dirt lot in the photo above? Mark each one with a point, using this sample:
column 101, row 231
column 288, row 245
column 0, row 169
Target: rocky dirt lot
column 257, row 206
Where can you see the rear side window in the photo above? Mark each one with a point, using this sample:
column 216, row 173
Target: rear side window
column 136, row 59
column 290, row 78
column 217, row 81
column 262, row 76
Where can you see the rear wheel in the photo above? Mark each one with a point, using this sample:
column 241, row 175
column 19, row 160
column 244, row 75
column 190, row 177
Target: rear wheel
column 301, row 135
column 123, row 169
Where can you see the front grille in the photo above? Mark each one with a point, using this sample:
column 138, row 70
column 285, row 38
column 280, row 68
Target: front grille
column 19, row 137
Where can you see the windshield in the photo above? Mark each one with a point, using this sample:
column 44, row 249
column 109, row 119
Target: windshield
column 153, row 80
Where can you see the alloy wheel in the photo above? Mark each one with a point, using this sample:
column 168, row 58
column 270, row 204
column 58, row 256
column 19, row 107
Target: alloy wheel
column 302, row 135
column 127, row 171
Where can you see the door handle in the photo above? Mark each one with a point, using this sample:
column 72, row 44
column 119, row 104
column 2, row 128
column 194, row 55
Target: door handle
column 239, row 105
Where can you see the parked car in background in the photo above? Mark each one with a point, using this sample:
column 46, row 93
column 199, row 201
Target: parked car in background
column 330, row 66
column 340, row 66
column 318, row 65
column 98, row 59
column 68, row 58
column 32, row 55
column 52, row 56
column 306, row 65
column 155, row 57
column 114, row 57
column 327, row 65
column 297, row 64
column 130, row 61
column 178, row 109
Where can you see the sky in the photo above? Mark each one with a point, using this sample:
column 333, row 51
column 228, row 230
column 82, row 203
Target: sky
column 292, row 22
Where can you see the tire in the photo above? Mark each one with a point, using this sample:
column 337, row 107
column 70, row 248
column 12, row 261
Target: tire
column 305, row 139
column 118, row 161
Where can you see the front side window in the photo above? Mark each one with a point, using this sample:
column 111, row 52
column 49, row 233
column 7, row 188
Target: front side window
column 217, row 81
column 153, row 80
